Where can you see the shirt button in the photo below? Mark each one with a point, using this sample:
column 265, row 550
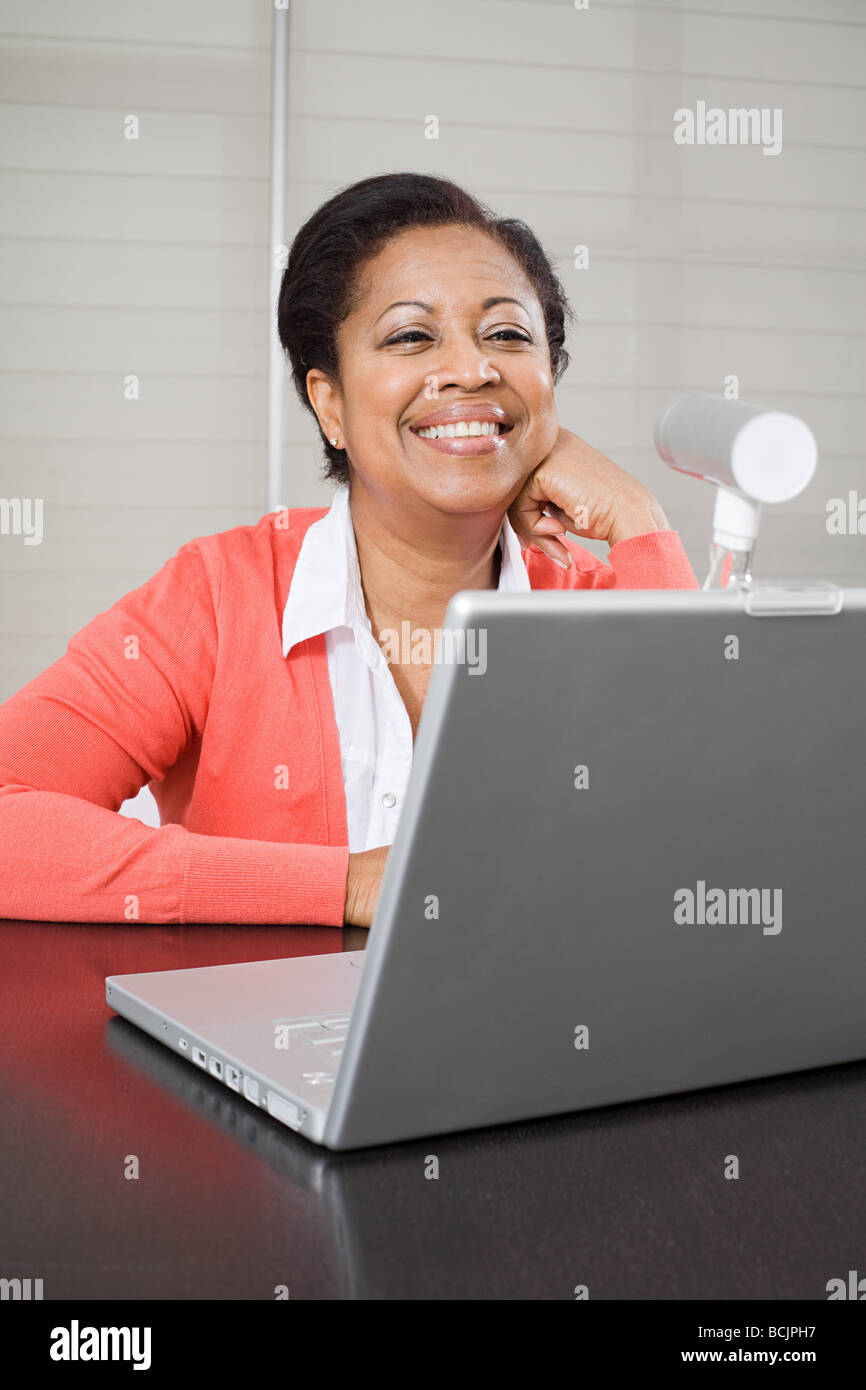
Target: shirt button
column 389, row 799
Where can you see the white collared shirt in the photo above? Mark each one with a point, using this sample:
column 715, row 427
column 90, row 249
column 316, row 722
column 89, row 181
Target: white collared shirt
column 373, row 725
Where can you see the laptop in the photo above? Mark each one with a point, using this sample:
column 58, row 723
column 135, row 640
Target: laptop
column 629, row 864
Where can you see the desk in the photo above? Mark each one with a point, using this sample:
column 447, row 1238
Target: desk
column 630, row 1200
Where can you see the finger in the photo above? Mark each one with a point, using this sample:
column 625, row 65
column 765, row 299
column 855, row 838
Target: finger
column 555, row 550
column 577, row 523
column 547, row 526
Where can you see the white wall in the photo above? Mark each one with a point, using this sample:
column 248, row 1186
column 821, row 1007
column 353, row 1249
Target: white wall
column 151, row 256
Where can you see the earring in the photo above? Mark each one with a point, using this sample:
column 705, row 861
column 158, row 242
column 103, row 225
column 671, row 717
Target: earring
column 334, row 442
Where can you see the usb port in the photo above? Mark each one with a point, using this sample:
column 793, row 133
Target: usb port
column 216, row 1068
column 233, row 1078
column 199, row 1057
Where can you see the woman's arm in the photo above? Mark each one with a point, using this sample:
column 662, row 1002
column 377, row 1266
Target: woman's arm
column 119, row 709
column 656, row 560
column 576, row 489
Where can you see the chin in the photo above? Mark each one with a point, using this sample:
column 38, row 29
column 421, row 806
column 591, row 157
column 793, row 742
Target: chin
column 465, row 490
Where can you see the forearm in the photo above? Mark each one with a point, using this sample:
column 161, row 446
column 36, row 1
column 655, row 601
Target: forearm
column 65, row 859
column 641, row 517
column 650, row 560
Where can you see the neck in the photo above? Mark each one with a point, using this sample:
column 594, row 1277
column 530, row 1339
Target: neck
column 413, row 559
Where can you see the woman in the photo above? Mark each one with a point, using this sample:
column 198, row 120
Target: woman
column 246, row 681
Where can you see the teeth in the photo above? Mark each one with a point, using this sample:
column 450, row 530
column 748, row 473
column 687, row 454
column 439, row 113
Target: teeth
column 461, row 429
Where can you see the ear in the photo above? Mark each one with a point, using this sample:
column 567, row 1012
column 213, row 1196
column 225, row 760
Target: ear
column 326, row 401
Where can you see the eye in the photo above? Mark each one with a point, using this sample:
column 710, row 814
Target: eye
column 417, row 335
column 410, row 335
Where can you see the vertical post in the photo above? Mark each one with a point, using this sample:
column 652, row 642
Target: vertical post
column 278, row 191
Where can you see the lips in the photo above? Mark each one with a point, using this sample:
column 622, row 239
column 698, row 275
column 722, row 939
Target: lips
column 484, row 412
column 464, row 429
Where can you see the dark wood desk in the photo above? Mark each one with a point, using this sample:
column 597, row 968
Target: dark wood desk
column 631, row 1201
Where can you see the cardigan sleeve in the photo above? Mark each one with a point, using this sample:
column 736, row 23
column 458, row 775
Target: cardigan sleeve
column 117, row 710
column 655, row 561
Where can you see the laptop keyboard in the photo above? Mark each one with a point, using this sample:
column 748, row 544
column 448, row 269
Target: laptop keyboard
column 322, row 1039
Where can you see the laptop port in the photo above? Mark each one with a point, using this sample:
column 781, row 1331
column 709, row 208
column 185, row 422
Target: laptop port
column 233, row 1078
column 284, row 1110
column 199, row 1057
column 251, row 1089
column 216, row 1068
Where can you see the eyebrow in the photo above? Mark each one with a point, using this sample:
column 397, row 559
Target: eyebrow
column 428, row 308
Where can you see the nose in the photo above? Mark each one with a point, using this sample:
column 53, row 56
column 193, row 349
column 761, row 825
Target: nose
column 464, row 363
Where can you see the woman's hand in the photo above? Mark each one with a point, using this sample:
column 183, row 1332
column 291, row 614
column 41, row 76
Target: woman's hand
column 362, row 885
column 584, row 493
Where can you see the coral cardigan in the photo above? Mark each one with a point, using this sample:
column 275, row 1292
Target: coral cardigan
column 182, row 684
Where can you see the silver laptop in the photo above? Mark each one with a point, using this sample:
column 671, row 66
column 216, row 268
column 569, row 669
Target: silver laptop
column 630, row 863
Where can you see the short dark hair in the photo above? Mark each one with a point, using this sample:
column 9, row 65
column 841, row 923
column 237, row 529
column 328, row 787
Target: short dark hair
column 320, row 280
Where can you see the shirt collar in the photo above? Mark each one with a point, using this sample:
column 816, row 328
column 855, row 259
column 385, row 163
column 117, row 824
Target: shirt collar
column 326, row 591
column 326, row 585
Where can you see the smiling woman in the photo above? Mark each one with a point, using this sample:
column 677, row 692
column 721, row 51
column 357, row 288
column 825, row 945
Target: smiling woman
column 358, row 279
column 426, row 336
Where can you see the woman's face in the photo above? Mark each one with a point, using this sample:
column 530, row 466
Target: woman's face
column 447, row 330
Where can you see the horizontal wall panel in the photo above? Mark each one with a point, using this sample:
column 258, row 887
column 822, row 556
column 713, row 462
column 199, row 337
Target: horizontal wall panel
column 136, row 473
column 130, row 207
column 842, row 13
column 170, row 407
column 182, row 144
column 122, row 276
column 765, row 362
column 335, row 86
column 90, row 539
column 612, row 418
column 604, row 35
column 192, row 145
column 672, row 229
column 136, row 78
column 195, row 23
column 592, row 164
column 613, row 35
column 41, row 604
column 815, row 302
column 116, row 341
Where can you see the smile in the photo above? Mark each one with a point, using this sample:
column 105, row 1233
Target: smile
column 461, row 429
column 465, row 438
